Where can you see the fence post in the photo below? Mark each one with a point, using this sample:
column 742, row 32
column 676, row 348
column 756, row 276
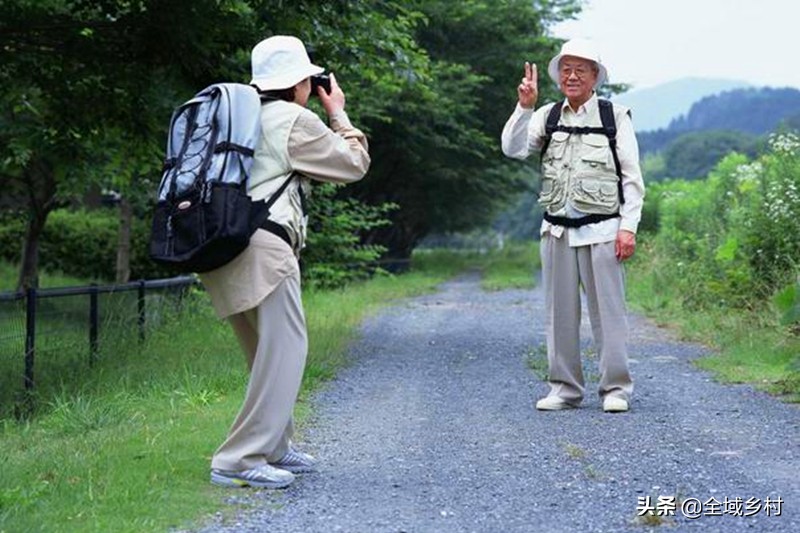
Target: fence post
column 25, row 406
column 30, row 337
column 142, row 315
column 93, row 323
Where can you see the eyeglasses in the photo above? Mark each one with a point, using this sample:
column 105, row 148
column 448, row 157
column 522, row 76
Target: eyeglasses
column 580, row 72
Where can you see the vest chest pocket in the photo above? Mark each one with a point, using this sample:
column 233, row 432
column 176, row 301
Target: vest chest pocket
column 556, row 149
column 595, row 155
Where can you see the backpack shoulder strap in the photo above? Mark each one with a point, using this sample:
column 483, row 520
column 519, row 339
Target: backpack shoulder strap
column 550, row 126
column 261, row 209
column 607, row 118
column 610, row 130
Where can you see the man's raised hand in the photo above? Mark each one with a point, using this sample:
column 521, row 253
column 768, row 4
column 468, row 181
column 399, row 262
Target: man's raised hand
column 528, row 90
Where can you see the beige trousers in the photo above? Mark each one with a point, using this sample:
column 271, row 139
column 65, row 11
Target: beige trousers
column 273, row 337
column 595, row 268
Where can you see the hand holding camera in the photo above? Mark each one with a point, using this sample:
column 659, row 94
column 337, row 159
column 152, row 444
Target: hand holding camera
column 330, row 94
column 320, row 80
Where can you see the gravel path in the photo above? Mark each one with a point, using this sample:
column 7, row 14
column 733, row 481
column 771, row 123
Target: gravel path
column 433, row 429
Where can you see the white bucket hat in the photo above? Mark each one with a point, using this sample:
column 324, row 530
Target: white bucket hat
column 578, row 48
column 281, row 62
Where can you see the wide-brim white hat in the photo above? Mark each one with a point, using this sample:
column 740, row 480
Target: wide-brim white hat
column 584, row 49
column 280, row 62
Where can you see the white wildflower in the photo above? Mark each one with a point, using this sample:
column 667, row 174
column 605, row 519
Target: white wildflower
column 784, row 143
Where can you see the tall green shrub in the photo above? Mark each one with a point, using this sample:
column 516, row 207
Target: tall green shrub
column 83, row 243
column 334, row 255
column 774, row 228
column 733, row 238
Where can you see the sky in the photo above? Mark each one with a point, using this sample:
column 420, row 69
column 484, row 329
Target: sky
column 649, row 42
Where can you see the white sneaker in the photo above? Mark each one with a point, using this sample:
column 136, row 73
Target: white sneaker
column 553, row 403
column 614, row 404
column 296, row 462
column 263, row 477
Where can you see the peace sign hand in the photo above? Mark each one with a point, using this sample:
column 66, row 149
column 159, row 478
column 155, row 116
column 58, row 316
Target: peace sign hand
column 528, row 90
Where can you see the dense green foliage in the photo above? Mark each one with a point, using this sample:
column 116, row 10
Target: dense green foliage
column 720, row 259
column 734, row 238
column 335, row 254
column 86, row 89
column 693, row 155
column 439, row 157
column 83, row 243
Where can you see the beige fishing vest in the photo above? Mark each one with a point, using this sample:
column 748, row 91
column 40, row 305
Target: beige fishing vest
column 579, row 169
column 272, row 166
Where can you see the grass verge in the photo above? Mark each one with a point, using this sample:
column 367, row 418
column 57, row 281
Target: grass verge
column 749, row 346
column 129, row 448
column 513, row 267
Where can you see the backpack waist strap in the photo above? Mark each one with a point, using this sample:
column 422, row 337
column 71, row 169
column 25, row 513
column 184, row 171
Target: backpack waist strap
column 577, row 222
column 276, row 229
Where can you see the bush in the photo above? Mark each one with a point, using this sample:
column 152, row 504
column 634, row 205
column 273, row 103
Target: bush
column 334, row 255
column 734, row 238
column 83, row 244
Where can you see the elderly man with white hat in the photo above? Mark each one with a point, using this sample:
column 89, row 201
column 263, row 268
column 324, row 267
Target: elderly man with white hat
column 259, row 291
column 592, row 194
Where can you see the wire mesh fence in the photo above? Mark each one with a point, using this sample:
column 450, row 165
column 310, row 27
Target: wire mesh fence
column 50, row 337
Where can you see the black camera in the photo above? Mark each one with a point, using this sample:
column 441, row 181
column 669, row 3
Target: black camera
column 320, row 80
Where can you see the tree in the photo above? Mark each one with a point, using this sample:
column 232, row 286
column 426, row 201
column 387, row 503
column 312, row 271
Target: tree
column 72, row 70
column 693, row 155
column 439, row 157
column 87, row 87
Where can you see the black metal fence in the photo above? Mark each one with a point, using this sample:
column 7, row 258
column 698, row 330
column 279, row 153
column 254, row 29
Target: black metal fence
column 62, row 330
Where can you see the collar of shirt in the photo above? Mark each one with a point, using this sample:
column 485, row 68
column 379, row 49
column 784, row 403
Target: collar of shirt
column 587, row 107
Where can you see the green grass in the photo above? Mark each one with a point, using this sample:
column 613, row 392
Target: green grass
column 513, row 267
column 749, row 346
column 537, row 360
column 62, row 357
column 125, row 446
column 9, row 274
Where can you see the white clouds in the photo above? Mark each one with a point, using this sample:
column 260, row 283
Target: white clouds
column 647, row 42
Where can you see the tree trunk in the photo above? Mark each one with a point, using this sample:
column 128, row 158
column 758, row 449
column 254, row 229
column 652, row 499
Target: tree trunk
column 124, row 241
column 400, row 238
column 29, row 270
column 40, row 183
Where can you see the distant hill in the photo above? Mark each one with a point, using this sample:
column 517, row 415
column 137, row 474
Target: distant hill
column 756, row 111
column 750, row 111
column 655, row 107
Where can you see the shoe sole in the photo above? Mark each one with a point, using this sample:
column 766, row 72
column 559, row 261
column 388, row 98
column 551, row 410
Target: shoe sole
column 618, row 409
column 296, row 469
column 562, row 408
column 556, row 407
column 237, row 483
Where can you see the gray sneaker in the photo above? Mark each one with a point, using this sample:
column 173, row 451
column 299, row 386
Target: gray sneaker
column 262, row 477
column 296, row 462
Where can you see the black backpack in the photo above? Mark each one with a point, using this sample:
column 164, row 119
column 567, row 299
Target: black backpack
column 204, row 217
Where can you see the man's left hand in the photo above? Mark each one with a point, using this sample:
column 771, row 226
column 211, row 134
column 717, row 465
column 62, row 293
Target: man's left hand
column 625, row 245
